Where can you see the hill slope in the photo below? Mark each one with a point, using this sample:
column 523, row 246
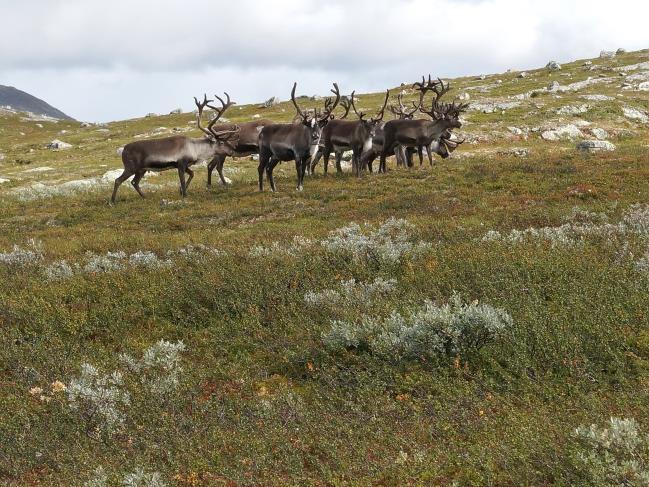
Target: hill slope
column 24, row 102
column 313, row 354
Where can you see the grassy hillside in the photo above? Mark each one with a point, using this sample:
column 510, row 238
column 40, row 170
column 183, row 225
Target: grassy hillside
column 293, row 375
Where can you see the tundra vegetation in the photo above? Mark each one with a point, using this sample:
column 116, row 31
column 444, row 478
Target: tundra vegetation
column 480, row 322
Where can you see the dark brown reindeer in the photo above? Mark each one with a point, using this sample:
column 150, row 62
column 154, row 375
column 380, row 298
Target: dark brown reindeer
column 443, row 147
column 341, row 135
column 421, row 133
column 247, row 145
column 346, row 104
column 178, row 151
column 288, row 142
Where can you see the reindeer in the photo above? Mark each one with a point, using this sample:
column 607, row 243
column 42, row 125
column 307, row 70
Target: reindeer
column 246, row 146
column 356, row 135
column 421, row 133
column 346, row 104
column 443, row 147
column 178, row 151
column 286, row 142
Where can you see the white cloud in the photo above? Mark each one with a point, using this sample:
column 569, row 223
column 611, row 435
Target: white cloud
column 107, row 60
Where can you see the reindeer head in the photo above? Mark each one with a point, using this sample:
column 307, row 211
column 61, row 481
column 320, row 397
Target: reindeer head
column 223, row 141
column 371, row 124
column 446, row 145
column 316, row 122
column 447, row 113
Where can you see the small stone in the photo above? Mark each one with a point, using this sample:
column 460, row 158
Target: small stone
column 39, row 125
column 595, row 146
column 599, row 134
column 553, row 66
column 464, row 96
column 554, row 86
column 256, row 115
column 515, row 130
column 523, row 74
column 644, row 86
column 58, row 144
column 120, row 150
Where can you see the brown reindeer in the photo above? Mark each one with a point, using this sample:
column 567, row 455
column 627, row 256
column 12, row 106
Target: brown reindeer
column 178, row 152
column 288, row 142
column 421, row 133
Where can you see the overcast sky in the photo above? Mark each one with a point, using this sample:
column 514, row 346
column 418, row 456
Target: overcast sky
column 115, row 59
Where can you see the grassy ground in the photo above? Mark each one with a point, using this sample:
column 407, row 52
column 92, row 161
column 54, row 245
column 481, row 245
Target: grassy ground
column 260, row 400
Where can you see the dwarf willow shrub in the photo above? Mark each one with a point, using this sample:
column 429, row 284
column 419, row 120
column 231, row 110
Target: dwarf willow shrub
column 101, row 400
column 616, row 455
column 428, row 332
column 390, row 243
column 19, row 256
column 139, row 478
column 351, row 293
column 159, row 368
column 580, row 226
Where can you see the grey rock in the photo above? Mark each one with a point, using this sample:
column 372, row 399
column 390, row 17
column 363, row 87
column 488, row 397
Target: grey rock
column 58, row 144
column 553, row 66
column 635, row 114
column 523, row 74
column 271, row 102
column 599, row 134
column 554, row 86
column 151, row 114
column 176, row 111
column 595, row 146
column 621, row 50
column 607, row 54
column 570, row 131
column 86, row 124
column 120, row 150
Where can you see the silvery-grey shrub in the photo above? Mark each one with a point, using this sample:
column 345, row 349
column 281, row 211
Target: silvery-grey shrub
column 615, row 455
column 393, row 241
column 99, row 479
column 100, row 399
column 140, row 478
column 430, row 331
column 159, row 368
column 32, row 253
column 352, row 293
column 58, row 270
column 295, row 248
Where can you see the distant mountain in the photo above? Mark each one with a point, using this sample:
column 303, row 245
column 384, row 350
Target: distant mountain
column 24, row 102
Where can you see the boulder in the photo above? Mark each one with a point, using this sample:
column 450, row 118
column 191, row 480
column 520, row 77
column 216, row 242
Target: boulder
column 86, row 125
column 599, row 134
column 644, row 86
column 621, row 50
column 553, row 66
column 515, row 130
column 464, row 96
column 595, row 146
column 523, row 74
column 635, row 114
column 554, row 86
column 151, row 114
column 58, row 144
column 607, row 54
column 271, row 102
column 176, row 111
column 572, row 110
column 566, row 132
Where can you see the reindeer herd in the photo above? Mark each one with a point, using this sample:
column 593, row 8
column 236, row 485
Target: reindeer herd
column 313, row 135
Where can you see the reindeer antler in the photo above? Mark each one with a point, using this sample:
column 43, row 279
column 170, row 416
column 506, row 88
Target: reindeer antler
column 201, row 106
column 329, row 105
column 401, row 111
column 297, row 108
column 344, row 102
column 379, row 116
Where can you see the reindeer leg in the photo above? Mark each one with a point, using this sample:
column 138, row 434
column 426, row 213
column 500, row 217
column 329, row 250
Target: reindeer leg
column 136, row 182
column 264, row 159
column 269, row 172
column 210, row 167
column 430, row 155
column 326, row 153
column 314, row 161
column 120, row 179
column 420, row 154
column 298, row 170
column 339, row 157
column 191, row 176
column 182, row 167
